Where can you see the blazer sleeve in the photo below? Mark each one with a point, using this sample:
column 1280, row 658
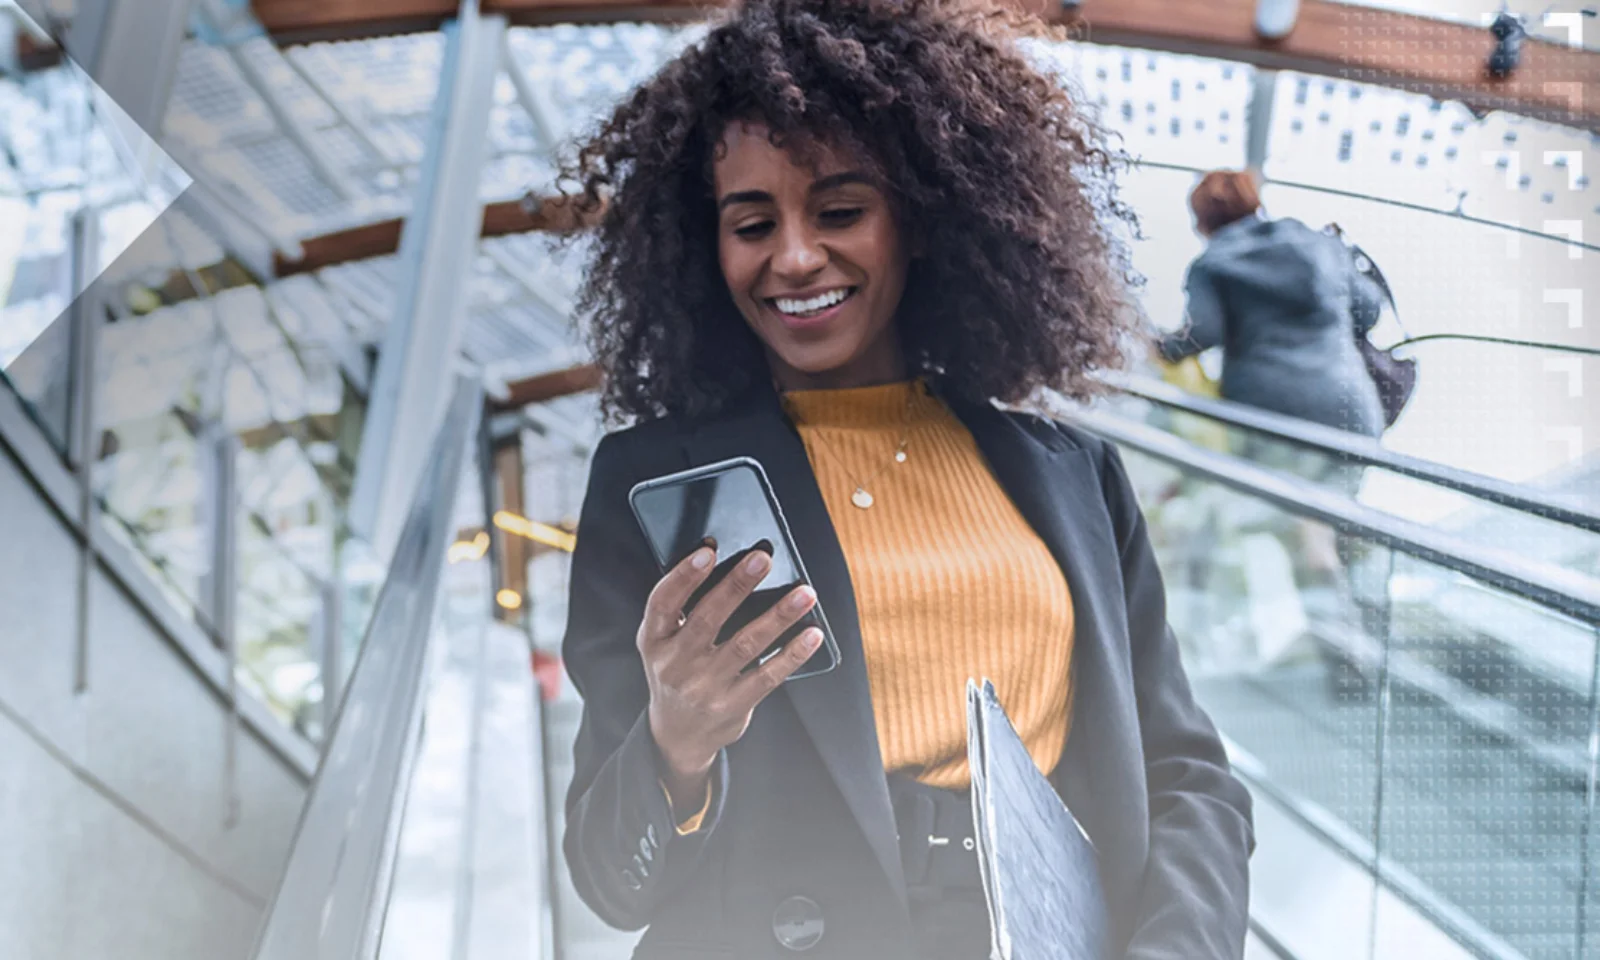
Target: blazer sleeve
column 1205, row 319
column 622, row 847
column 1194, row 902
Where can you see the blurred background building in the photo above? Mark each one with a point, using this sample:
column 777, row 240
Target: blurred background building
column 294, row 426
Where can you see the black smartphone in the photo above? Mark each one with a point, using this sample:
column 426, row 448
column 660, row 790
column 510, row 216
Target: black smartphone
column 730, row 505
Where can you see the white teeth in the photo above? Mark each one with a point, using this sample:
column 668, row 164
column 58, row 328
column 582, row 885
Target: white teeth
column 821, row 302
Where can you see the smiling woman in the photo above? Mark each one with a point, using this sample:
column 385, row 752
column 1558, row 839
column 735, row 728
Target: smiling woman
column 832, row 233
column 916, row 119
column 813, row 260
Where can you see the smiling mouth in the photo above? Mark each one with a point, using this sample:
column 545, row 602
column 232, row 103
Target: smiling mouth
column 811, row 306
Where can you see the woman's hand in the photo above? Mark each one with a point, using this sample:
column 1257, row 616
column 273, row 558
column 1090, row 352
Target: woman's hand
column 701, row 696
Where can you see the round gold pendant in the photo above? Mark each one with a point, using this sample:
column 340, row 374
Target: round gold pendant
column 861, row 498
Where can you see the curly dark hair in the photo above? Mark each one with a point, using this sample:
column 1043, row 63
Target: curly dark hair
column 1008, row 186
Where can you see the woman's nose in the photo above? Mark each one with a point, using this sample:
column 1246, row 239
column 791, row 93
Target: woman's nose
column 799, row 253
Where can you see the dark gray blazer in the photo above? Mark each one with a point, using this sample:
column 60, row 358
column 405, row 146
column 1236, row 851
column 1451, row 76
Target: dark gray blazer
column 803, row 807
column 1285, row 303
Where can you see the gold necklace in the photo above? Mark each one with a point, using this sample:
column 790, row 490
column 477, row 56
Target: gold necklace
column 862, row 498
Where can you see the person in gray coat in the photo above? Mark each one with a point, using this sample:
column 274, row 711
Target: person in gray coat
column 1285, row 303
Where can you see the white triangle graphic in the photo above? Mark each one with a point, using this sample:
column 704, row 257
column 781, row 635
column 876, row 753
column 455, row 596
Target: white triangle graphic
column 97, row 156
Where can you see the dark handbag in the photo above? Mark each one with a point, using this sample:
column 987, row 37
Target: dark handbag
column 1395, row 377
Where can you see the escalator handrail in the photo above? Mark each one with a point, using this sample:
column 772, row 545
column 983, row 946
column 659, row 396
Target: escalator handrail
column 331, row 898
column 1564, row 591
column 1354, row 448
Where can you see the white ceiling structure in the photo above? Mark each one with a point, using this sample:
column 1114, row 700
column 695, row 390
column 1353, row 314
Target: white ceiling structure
column 326, row 136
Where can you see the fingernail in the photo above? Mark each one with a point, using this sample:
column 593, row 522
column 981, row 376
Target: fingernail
column 702, row 559
column 812, row 638
column 757, row 563
column 799, row 599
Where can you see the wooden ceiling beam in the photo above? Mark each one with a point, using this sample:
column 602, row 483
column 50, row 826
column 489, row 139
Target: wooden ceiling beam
column 383, row 237
column 1331, row 38
column 1447, row 61
column 305, row 21
column 302, row 21
column 549, row 386
column 34, row 54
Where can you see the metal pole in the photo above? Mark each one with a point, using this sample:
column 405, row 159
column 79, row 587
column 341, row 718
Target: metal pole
column 332, row 646
column 86, row 320
column 540, row 110
column 1586, row 843
column 1258, row 118
column 1386, row 628
column 224, row 597
column 10, row 45
column 437, row 248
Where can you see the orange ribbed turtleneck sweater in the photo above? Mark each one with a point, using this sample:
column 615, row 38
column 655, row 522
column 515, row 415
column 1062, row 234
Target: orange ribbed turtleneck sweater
column 950, row 580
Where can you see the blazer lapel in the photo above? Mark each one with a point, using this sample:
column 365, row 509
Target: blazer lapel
column 1056, row 486
column 836, row 707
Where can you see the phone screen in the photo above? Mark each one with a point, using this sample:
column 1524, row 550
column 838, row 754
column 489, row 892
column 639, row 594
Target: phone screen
column 730, row 510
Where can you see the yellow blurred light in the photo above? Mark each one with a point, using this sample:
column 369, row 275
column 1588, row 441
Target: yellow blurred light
column 510, row 599
column 534, row 530
column 473, row 549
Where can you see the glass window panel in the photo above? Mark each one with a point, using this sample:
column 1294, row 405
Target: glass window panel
column 151, row 478
column 1486, row 756
column 41, row 371
column 279, row 609
column 1478, row 804
column 284, row 493
column 1591, row 854
column 156, row 363
column 1276, row 636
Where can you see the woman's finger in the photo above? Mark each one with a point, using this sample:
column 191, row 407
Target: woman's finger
column 753, row 640
column 663, row 612
column 754, row 686
column 719, row 603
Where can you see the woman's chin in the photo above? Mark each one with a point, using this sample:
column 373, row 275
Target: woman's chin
column 816, row 361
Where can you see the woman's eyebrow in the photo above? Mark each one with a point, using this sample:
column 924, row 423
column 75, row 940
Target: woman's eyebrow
column 744, row 196
column 822, row 184
column 846, row 178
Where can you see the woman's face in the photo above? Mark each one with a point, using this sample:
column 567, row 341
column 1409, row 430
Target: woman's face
column 813, row 259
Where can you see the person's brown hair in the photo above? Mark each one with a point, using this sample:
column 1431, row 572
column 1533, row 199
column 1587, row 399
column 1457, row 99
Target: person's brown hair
column 1222, row 197
column 1006, row 185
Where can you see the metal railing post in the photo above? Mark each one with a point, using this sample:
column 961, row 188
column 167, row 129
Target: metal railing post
column 332, row 667
column 1586, row 843
column 86, row 320
column 223, row 592
column 1385, row 689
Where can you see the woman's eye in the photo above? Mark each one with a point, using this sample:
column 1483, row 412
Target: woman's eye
column 753, row 231
column 841, row 216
